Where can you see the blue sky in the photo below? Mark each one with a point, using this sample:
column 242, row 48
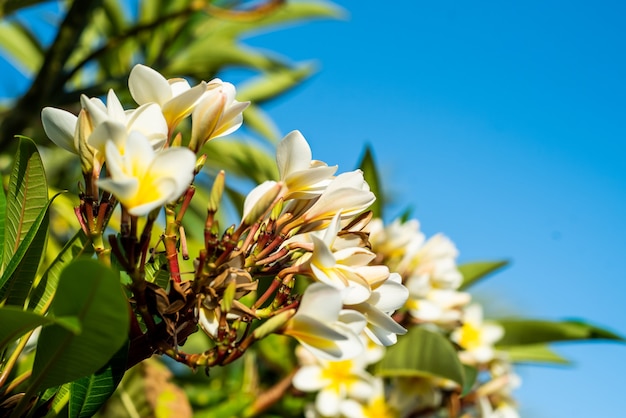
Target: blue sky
column 502, row 125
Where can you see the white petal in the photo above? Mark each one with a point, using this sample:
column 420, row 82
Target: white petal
column 293, row 154
column 60, row 125
column 327, row 402
column 147, row 85
column 309, row 379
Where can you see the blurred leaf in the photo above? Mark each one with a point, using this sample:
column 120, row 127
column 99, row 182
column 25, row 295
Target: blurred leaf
column 370, row 172
column 91, row 293
column 3, row 214
column 529, row 331
column 15, row 322
column 470, row 374
column 424, row 353
column 20, row 47
column 26, row 197
column 472, row 272
column 146, row 391
column 258, row 121
column 533, row 353
column 290, row 12
column 278, row 352
column 246, row 160
column 274, row 83
column 10, row 6
column 89, row 393
column 46, row 287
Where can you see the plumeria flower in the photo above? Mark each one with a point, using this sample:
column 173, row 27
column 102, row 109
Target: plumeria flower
column 347, row 269
column 335, row 382
column 303, row 177
column 60, row 126
column 384, row 300
column 174, row 96
column 476, row 337
column 374, row 406
column 499, row 410
column 323, row 327
column 216, row 114
column 142, row 179
column 428, row 304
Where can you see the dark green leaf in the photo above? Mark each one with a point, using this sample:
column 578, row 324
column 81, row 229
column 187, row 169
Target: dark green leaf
column 3, row 214
column 44, row 291
column 26, row 197
column 470, row 374
column 474, row 271
column 370, row 172
column 533, row 353
column 19, row 275
column 91, row 292
column 15, row 322
column 529, row 331
column 89, row 393
column 422, row 352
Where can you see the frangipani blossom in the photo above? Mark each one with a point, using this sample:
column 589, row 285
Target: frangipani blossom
column 216, row 114
column 60, row 126
column 476, row 337
column 143, row 180
column 323, row 327
column 335, row 382
column 174, row 96
column 374, row 406
column 434, row 259
column 303, row 177
column 384, row 300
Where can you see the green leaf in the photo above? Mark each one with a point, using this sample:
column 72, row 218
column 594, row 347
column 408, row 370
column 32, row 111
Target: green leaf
column 90, row 292
column 533, row 353
column 257, row 120
column 370, row 172
column 3, row 214
column 20, row 47
column 274, row 83
column 26, row 197
column 15, row 322
column 10, row 6
column 89, row 393
column 471, row 374
column 241, row 159
column 19, row 275
column 45, row 288
column 472, row 272
column 529, row 331
column 422, row 352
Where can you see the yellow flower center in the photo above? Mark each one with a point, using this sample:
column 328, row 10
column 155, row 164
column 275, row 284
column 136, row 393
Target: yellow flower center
column 470, row 336
column 339, row 373
column 378, row 409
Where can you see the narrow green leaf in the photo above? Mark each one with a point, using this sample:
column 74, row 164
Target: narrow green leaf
column 15, row 322
column 26, row 197
column 370, row 172
column 19, row 275
column 257, row 120
column 472, row 272
column 91, row 292
column 529, row 331
column 241, row 159
column 533, row 353
column 422, row 352
column 3, row 214
column 19, row 47
column 274, row 83
column 60, row 401
column 89, row 393
column 45, row 288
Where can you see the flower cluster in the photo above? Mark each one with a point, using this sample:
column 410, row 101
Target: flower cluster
column 305, row 230
column 428, row 269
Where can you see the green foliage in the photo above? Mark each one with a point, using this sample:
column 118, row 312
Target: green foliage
column 533, row 353
column 531, row 331
column 422, row 353
column 472, row 272
column 370, row 173
column 88, row 293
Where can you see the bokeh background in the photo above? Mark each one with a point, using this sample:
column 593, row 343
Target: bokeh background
column 502, row 126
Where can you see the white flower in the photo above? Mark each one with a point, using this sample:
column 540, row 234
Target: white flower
column 476, row 337
column 335, row 382
column 323, row 327
column 142, row 179
column 174, row 96
column 303, row 177
column 60, row 126
column 216, row 114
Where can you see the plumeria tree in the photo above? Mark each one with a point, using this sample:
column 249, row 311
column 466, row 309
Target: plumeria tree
column 158, row 287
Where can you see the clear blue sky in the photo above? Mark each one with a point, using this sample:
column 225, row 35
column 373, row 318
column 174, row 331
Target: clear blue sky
column 503, row 126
